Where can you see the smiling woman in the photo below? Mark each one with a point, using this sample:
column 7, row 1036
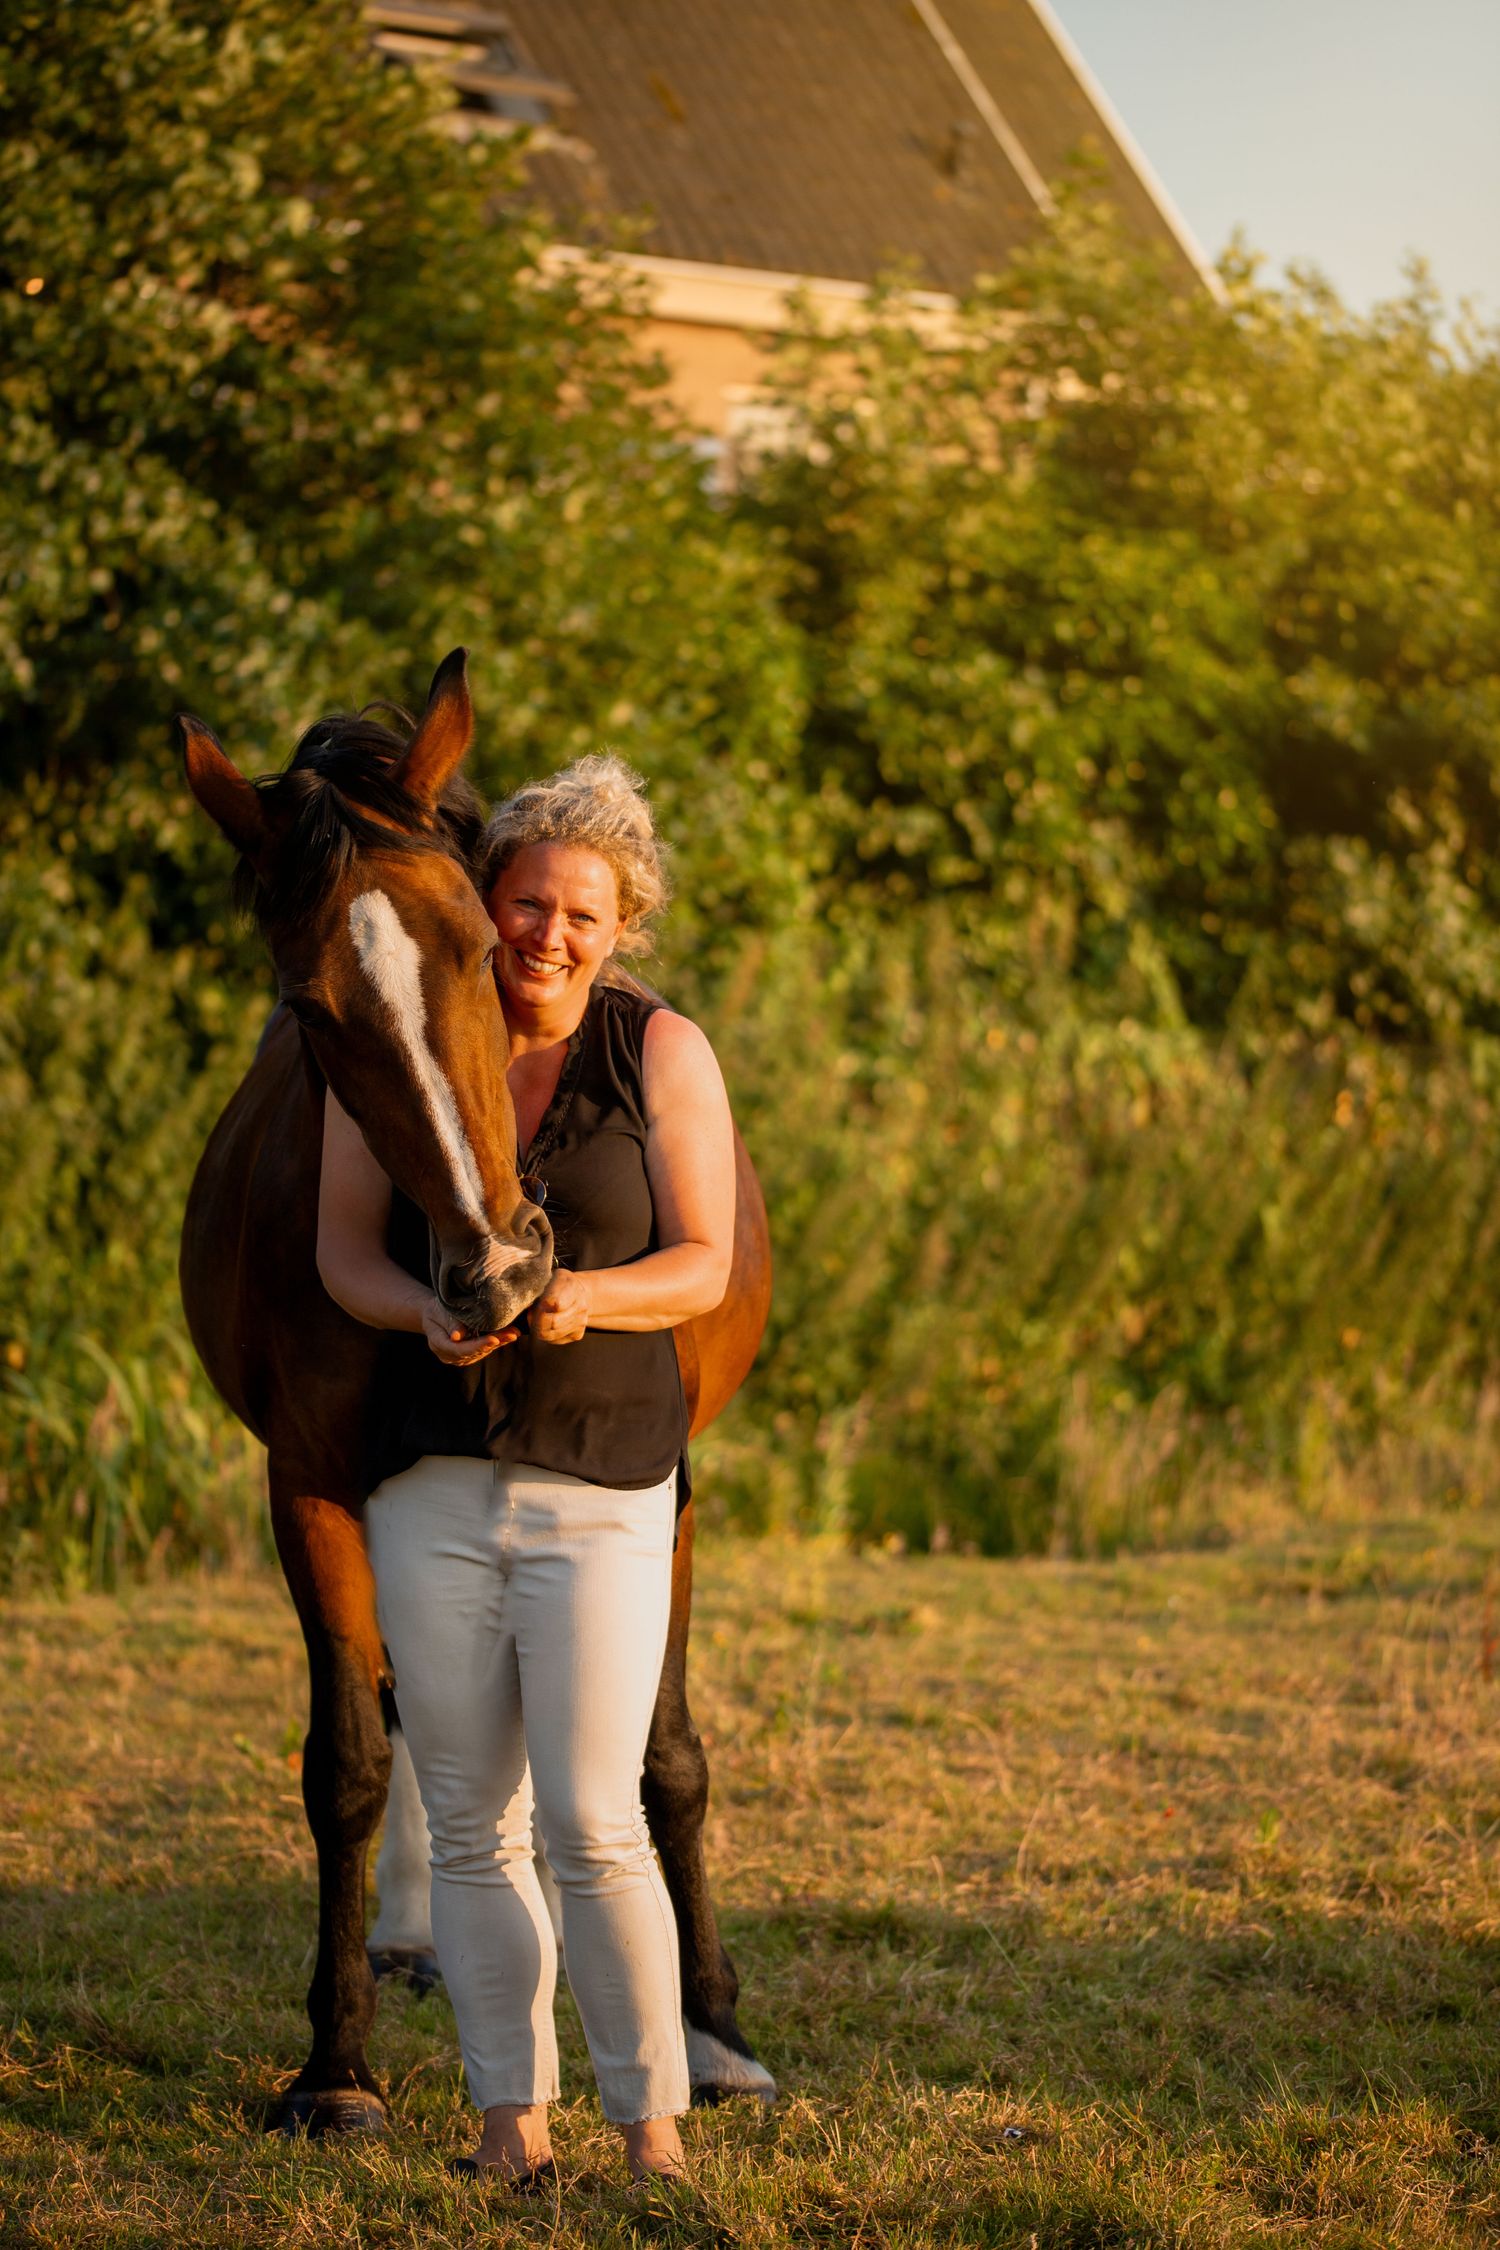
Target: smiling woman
column 522, row 1531
column 361, row 862
column 598, row 806
column 557, row 914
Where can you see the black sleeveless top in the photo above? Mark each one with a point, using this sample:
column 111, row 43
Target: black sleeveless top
column 610, row 1408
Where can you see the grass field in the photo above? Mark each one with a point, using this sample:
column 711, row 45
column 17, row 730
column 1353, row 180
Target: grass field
column 1139, row 1904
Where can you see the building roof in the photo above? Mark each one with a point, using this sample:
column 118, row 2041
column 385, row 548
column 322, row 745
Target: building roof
column 828, row 137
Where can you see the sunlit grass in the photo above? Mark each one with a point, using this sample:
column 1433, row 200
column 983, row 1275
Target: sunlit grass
column 1138, row 1904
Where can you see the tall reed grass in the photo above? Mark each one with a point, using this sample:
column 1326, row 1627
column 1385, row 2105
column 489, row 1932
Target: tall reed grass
column 1046, row 1280
column 118, row 1468
column 115, row 1057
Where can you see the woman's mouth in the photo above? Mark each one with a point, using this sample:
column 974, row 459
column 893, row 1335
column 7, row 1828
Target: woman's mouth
column 535, row 966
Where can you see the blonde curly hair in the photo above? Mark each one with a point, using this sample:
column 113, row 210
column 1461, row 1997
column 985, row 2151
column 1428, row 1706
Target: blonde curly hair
column 597, row 804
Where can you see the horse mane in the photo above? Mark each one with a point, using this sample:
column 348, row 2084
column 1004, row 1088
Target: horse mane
column 339, row 775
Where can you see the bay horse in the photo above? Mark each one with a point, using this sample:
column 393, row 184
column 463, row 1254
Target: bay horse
column 372, row 826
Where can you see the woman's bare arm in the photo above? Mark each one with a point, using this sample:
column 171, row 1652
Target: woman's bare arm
column 690, row 1164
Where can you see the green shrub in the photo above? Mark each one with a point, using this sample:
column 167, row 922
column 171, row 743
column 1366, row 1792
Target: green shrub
column 1045, row 1279
column 115, row 1056
column 1081, row 754
column 1174, row 621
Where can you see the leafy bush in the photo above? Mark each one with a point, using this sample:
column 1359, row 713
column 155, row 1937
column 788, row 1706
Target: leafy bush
column 291, row 409
column 1046, row 1280
column 1081, row 755
column 115, row 1057
column 1177, row 623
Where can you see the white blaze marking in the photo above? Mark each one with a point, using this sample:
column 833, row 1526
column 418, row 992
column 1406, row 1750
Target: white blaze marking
column 392, row 961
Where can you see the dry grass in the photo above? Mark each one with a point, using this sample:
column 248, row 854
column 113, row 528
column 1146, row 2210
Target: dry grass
column 1076, row 1904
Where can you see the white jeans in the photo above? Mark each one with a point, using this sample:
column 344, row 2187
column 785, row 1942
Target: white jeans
column 526, row 1616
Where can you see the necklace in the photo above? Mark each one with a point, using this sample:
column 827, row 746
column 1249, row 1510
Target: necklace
column 533, row 1179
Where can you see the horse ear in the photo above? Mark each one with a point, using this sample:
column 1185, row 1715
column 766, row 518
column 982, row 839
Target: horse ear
column 436, row 751
column 230, row 801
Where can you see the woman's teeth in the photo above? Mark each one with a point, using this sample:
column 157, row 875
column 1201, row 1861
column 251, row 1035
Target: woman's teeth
column 537, row 968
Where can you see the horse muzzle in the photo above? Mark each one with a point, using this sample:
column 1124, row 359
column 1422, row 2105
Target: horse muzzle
column 490, row 1283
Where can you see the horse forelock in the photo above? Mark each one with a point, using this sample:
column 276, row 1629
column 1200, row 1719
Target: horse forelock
column 338, row 798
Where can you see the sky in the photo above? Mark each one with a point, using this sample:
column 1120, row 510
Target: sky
column 1337, row 133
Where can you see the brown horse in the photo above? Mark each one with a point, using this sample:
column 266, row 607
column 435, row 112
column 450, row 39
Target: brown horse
column 365, row 812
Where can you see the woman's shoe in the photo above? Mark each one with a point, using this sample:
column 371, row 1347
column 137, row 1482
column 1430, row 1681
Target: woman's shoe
column 538, row 2179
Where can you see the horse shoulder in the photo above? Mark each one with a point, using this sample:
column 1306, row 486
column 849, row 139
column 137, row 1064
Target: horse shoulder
column 293, row 1367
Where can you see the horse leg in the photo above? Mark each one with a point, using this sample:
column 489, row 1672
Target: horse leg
column 345, row 1768
column 674, row 1790
column 400, row 1945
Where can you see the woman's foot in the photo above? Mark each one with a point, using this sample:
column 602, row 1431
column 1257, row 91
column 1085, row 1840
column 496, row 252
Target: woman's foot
column 515, row 2143
column 538, row 2180
column 653, row 2150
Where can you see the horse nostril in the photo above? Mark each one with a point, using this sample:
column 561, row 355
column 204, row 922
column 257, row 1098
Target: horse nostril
column 529, row 1224
column 536, row 1229
column 455, row 1280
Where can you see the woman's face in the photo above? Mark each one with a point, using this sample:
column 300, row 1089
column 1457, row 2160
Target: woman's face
column 557, row 909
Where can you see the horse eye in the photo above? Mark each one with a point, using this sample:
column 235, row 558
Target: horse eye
column 309, row 1013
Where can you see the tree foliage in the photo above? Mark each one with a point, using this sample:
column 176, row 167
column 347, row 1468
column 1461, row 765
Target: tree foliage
column 291, row 408
column 1170, row 623
column 1080, row 753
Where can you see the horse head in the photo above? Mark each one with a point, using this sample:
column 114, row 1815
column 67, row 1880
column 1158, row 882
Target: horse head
column 355, row 861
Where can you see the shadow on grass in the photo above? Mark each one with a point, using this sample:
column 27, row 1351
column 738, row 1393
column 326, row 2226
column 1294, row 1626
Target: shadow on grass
column 1299, row 2005
column 196, row 1992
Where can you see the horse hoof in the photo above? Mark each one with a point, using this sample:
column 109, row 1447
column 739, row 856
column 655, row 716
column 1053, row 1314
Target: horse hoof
column 332, row 2109
column 721, row 2074
column 416, row 1965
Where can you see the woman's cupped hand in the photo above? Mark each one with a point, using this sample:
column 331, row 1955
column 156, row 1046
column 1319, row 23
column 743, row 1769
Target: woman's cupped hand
column 455, row 1346
column 559, row 1316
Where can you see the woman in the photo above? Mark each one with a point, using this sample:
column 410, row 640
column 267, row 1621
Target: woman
column 523, row 1559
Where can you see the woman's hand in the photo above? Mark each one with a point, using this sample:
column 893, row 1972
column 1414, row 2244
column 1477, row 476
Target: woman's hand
column 454, row 1346
column 561, row 1313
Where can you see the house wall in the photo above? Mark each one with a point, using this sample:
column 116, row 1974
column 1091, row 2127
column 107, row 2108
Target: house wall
column 710, row 368
column 711, row 324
